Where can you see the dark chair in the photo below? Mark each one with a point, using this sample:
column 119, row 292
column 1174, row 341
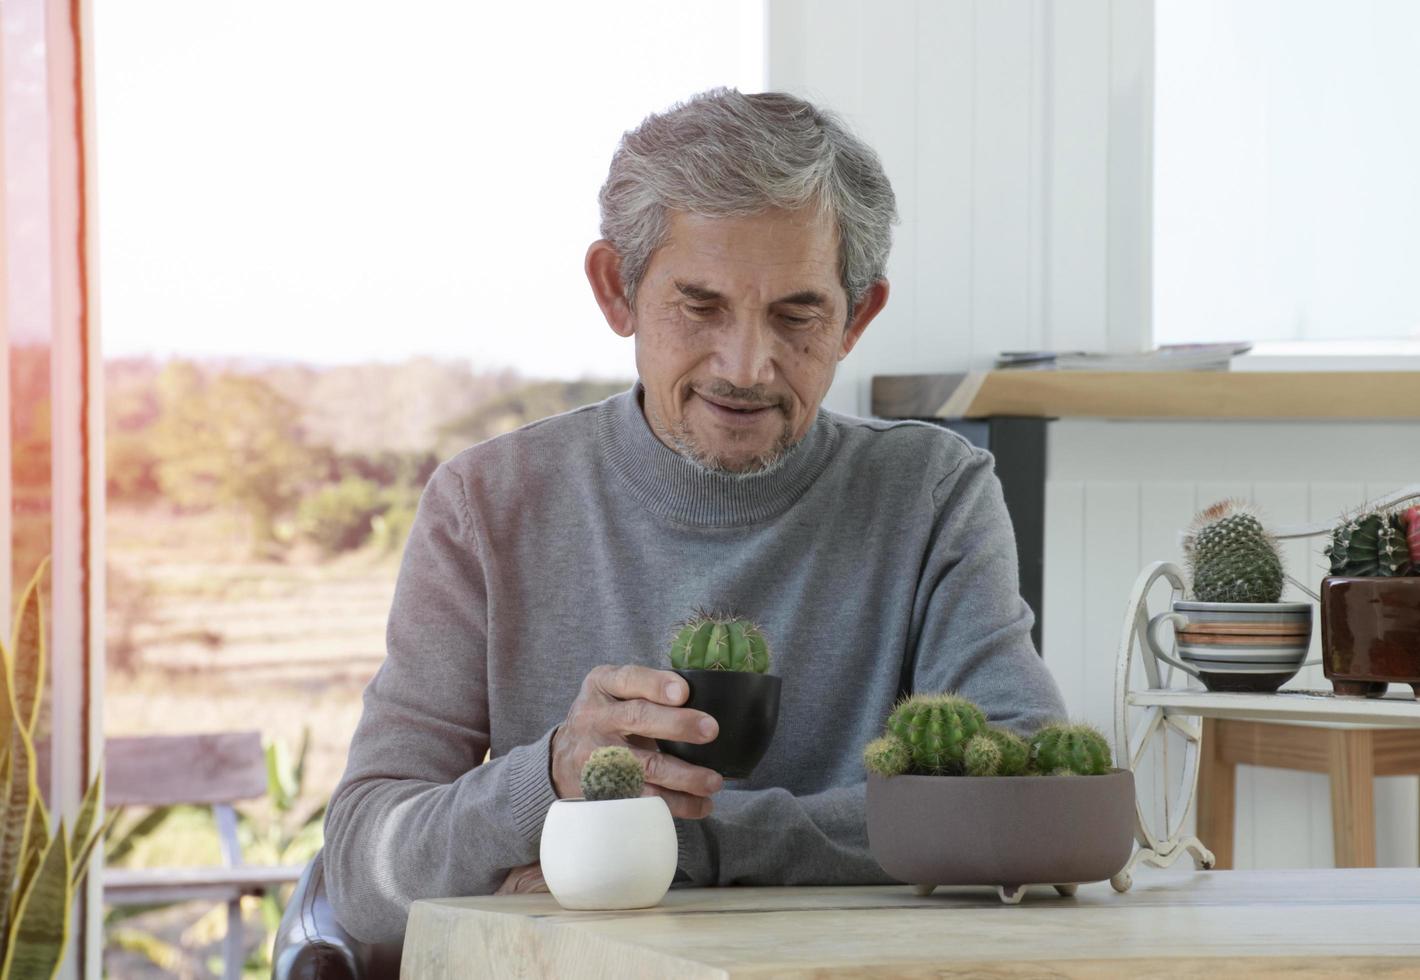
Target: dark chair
column 312, row 945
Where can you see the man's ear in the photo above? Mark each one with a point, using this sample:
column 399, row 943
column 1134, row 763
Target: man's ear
column 868, row 307
column 603, row 266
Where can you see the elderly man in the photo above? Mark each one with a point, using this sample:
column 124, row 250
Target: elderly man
column 744, row 245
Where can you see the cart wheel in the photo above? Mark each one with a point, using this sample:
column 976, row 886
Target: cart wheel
column 1122, row 881
column 1067, row 890
column 1141, row 734
column 923, row 890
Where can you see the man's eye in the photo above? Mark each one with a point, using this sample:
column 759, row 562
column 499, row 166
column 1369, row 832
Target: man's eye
column 795, row 320
column 702, row 310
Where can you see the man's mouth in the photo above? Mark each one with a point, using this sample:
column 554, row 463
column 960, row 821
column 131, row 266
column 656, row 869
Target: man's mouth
column 732, row 411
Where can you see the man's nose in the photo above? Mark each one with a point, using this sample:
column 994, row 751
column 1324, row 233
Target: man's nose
column 747, row 351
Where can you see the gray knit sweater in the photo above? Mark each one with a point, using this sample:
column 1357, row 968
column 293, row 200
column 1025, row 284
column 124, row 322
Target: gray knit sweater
column 879, row 559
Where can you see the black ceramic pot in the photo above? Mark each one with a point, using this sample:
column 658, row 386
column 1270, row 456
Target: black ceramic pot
column 745, row 704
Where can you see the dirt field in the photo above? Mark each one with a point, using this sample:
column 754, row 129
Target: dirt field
column 202, row 638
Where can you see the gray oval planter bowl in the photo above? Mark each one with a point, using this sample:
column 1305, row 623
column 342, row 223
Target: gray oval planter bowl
column 1006, row 831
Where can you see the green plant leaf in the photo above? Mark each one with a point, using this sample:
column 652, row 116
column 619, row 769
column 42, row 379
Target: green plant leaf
column 36, row 846
column 317, row 817
column 163, row 955
column 278, row 775
column 87, row 811
column 42, row 918
column 82, row 855
column 27, row 646
column 299, row 782
column 137, row 833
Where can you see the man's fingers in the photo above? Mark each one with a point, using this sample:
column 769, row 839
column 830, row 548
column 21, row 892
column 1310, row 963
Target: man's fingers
column 630, row 681
column 641, row 717
column 671, row 773
column 682, row 804
column 523, row 879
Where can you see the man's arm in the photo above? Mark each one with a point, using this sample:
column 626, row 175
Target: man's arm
column 418, row 813
column 772, row 837
column 975, row 640
column 976, row 628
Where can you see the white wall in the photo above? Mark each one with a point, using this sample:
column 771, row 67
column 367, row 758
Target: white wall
column 1014, row 134
column 1017, row 136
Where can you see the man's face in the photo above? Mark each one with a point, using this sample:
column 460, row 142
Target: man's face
column 744, row 312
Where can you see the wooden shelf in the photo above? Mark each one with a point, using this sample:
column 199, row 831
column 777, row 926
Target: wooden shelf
column 1150, row 394
column 1391, row 711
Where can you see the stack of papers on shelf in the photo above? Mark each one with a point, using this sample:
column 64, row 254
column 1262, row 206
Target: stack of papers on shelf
column 1169, row 357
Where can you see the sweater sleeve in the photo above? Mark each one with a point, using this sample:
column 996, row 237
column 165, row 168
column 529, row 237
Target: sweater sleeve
column 975, row 637
column 975, row 640
column 418, row 813
column 771, row 837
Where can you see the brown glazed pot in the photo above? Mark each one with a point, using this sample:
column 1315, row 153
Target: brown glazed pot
column 1370, row 633
column 1007, row 831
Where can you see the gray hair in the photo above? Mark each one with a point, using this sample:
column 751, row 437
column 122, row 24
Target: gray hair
column 723, row 154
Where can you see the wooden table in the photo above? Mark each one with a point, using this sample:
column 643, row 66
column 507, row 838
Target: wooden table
column 1180, row 923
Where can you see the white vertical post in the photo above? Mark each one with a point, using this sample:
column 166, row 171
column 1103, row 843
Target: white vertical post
column 6, row 529
column 1131, row 176
column 76, row 568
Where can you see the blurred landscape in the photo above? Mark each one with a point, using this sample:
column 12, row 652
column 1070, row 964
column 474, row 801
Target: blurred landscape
column 257, row 513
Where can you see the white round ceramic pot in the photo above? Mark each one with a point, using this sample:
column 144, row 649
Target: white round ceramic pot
column 609, row 854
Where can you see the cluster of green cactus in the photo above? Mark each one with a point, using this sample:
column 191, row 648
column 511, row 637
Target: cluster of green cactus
column 1371, row 544
column 708, row 641
column 1231, row 557
column 948, row 735
column 612, row 773
column 935, row 728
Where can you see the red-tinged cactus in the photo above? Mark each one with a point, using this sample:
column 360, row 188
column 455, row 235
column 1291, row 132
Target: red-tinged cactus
column 1412, row 534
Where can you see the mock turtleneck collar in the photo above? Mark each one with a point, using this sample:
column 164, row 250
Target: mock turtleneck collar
column 670, row 485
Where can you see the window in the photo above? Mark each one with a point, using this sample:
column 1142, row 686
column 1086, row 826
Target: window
column 1286, row 147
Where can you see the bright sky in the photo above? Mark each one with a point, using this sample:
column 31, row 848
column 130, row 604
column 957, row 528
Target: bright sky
column 348, row 181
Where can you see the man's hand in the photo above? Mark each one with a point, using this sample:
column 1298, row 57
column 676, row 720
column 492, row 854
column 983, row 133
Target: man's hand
column 633, row 706
column 522, row 880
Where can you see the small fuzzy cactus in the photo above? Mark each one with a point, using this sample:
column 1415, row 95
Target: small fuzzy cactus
column 612, row 773
column 936, row 728
column 996, row 752
column 1081, row 749
column 887, row 756
column 1015, row 751
column 1411, row 519
column 707, row 641
column 982, row 756
column 1231, row 557
column 1370, row 544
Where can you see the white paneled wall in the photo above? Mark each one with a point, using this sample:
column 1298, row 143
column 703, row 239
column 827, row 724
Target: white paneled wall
column 1015, row 134
column 1118, row 495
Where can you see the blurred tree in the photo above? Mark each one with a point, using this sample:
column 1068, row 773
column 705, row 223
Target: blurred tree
column 130, row 412
column 506, row 412
column 230, row 441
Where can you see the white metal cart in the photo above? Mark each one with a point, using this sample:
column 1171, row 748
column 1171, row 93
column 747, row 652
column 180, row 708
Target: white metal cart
column 1148, row 706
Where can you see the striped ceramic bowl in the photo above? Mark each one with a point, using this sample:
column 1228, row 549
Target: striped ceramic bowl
column 1237, row 646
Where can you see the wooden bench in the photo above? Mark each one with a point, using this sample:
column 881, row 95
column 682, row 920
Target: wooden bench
column 214, row 770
